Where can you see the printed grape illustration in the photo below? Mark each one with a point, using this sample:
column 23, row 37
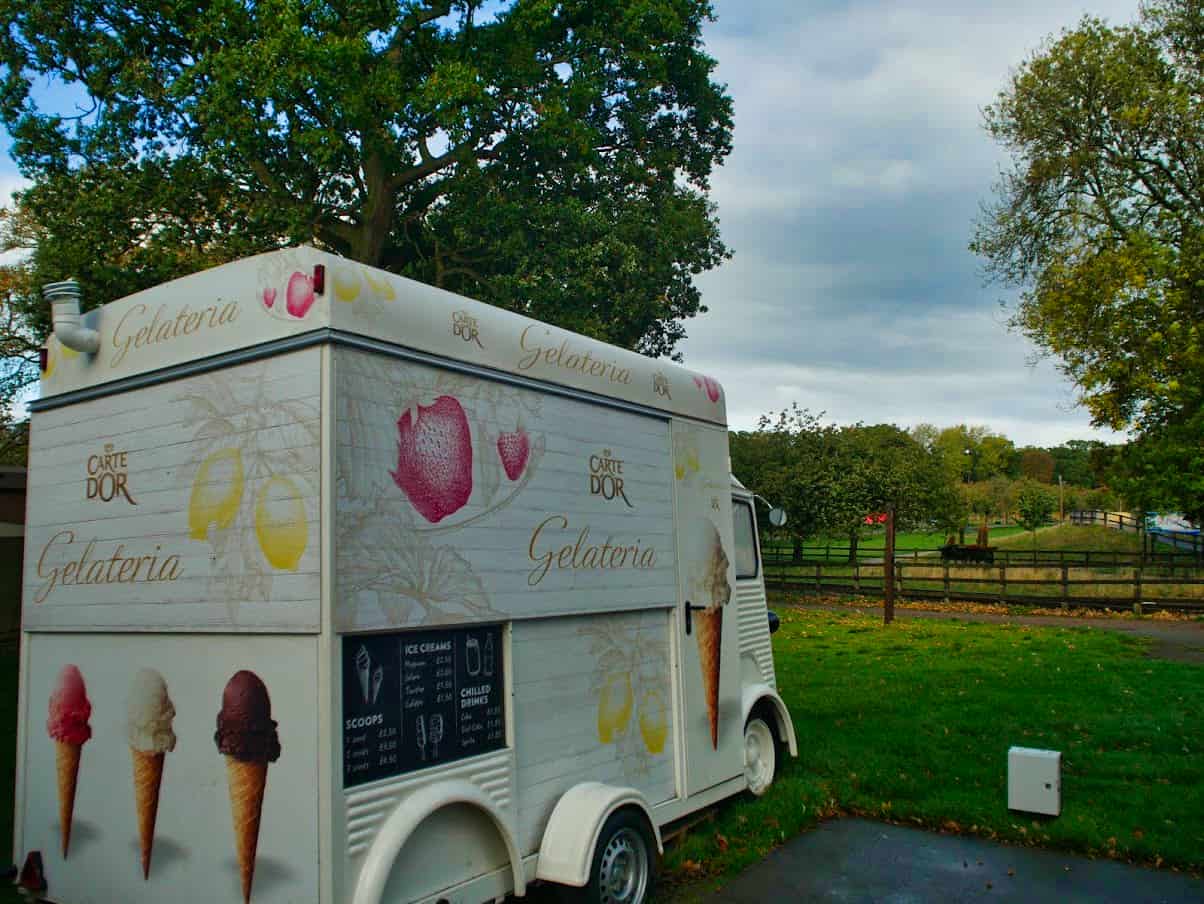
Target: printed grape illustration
column 280, row 522
column 216, row 492
column 614, row 706
column 654, row 725
column 346, row 284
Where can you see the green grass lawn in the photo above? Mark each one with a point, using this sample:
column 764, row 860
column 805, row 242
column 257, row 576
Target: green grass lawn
column 904, row 540
column 912, row 723
column 1072, row 537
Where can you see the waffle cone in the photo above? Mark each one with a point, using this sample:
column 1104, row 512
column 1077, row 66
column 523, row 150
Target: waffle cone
column 708, row 629
column 148, row 773
column 247, row 781
column 66, row 758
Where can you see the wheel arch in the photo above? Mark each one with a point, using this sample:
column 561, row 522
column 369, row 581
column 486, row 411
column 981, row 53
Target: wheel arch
column 765, row 697
column 567, row 849
column 405, row 819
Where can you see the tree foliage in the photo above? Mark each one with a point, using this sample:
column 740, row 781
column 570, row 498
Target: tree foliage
column 830, row 478
column 1035, row 504
column 1100, row 219
column 549, row 158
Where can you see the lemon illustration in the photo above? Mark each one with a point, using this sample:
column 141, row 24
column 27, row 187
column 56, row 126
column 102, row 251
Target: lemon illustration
column 346, row 284
column 653, row 724
column 280, row 523
column 686, row 464
column 54, row 351
column 216, row 492
column 614, row 706
column 382, row 287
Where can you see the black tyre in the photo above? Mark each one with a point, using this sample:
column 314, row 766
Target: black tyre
column 623, row 870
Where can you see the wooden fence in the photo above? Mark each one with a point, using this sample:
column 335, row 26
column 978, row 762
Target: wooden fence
column 809, row 555
column 1064, row 585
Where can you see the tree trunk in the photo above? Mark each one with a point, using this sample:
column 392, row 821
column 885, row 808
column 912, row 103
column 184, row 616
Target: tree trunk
column 797, row 554
column 853, row 538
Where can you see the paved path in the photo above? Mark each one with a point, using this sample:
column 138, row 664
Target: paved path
column 856, row 860
column 1182, row 641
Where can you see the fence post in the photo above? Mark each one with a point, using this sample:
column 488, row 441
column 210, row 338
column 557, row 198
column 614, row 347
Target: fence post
column 1137, row 590
column 946, row 582
column 857, row 576
column 817, row 568
column 1003, row 583
column 1065, row 587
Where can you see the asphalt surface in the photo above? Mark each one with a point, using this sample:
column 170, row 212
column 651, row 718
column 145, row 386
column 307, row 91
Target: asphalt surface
column 856, row 860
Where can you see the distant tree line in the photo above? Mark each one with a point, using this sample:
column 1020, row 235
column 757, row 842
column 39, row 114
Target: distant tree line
column 833, row 480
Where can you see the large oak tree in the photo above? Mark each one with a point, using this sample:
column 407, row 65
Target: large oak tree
column 1100, row 222
column 549, row 157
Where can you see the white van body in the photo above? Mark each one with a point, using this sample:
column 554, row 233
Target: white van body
column 456, row 547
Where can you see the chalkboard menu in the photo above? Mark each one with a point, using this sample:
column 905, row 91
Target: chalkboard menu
column 419, row 698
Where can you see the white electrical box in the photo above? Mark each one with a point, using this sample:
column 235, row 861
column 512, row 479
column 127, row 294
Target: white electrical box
column 1035, row 780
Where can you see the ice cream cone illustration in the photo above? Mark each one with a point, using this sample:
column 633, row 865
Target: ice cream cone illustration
column 363, row 668
column 378, row 678
column 708, row 587
column 68, row 727
column 150, row 712
column 246, row 734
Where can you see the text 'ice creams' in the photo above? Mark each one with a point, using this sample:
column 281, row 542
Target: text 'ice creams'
column 150, row 737
column 246, row 734
column 68, row 726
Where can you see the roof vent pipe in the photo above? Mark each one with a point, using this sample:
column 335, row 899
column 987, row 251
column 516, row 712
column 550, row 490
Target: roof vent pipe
column 64, row 306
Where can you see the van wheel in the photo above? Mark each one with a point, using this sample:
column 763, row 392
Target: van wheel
column 624, row 866
column 760, row 755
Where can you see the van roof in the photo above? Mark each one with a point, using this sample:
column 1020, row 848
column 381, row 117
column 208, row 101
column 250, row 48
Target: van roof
column 277, row 300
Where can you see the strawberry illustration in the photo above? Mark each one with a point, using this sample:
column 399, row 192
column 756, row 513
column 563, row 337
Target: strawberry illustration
column 300, row 295
column 434, row 458
column 709, row 386
column 269, row 297
column 514, row 449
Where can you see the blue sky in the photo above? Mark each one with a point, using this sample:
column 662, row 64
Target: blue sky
column 859, row 165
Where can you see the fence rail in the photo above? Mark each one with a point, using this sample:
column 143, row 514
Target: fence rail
column 809, row 555
column 1125, row 522
column 1160, row 587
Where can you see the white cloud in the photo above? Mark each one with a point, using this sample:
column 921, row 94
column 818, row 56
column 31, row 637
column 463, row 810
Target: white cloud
column 859, row 162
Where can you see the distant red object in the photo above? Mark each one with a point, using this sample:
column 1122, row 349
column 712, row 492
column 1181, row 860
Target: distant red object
column 876, row 518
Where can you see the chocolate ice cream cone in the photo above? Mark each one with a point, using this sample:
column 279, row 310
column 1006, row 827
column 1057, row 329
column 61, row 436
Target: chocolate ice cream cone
column 708, row 628
column 247, row 780
column 148, row 774
column 66, row 757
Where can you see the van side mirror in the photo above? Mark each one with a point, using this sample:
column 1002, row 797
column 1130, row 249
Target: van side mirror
column 777, row 517
column 774, row 621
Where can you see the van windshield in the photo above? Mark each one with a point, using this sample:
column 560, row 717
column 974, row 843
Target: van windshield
column 746, row 539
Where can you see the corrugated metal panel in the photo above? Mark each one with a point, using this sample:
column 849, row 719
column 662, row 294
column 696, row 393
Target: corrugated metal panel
column 754, row 627
column 368, row 807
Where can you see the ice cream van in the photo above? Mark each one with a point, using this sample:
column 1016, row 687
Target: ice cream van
column 343, row 588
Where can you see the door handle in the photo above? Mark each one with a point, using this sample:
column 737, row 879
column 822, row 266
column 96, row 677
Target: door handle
column 690, row 607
